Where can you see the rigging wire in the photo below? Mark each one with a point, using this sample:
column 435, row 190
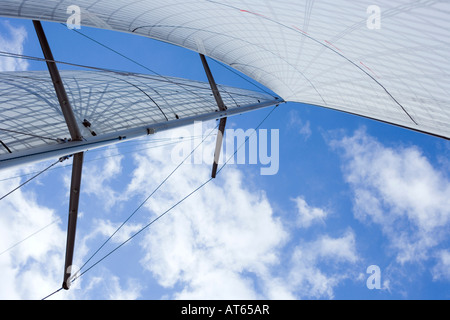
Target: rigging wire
column 101, row 158
column 153, row 71
column 54, row 292
column 242, row 77
column 29, row 236
column 39, row 173
column 130, row 59
column 116, row 155
column 30, row 134
column 76, row 276
column 113, row 50
column 153, row 192
column 121, row 72
column 133, row 143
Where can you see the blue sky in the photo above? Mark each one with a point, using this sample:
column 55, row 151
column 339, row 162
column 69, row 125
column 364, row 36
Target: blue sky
column 350, row 193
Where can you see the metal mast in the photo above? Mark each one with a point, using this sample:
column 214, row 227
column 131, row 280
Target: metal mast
column 75, row 134
column 222, row 107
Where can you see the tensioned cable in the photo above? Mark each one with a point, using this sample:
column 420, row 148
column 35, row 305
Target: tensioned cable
column 28, row 237
column 156, row 189
column 139, row 64
column 114, row 155
column 168, row 210
column 134, row 61
column 29, row 134
column 130, row 216
column 165, row 141
column 127, row 73
column 242, row 77
column 56, row 291
column 180, row 201
column 56, row 220
column 113, row 50
column 24, row 183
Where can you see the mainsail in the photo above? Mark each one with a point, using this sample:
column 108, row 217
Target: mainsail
column 324, row 53
column 108, row 107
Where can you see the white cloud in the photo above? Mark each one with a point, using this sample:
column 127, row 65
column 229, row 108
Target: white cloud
column 308, row 277
column 302, row 127
column 13, row 42
column 97, row 175
column 31, row 269
column 442, row 269
column 225, row 241
column 215, row 236
column 33, row 243
column 399, row 190
column 109, row 286
column 131, row 291
column 218, row 284
column 336, row 249
column 106, row 228
column 308, row 215
column 215, row 242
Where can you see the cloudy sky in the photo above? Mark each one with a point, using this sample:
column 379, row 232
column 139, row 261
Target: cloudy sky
column 349, row 193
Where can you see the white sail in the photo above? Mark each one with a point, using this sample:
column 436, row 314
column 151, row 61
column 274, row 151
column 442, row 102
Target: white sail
column 107, row 107
column 388, row 62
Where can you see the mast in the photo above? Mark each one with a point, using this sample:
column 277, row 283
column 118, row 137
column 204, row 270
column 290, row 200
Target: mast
column 75, row 133
column 222, row 107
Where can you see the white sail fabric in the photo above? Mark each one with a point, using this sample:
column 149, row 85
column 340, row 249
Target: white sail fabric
column 31, row 117
column 389, row 62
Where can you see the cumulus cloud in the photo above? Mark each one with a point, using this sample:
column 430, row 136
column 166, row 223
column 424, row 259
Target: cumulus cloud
column 98, row 175
column 111, row 288
column 308, row 277
column 302, row 127
column 226, row 241
column 399, row 190
column 308, row 215
column 12, row 41
column 31, row 268
column 219, row 240
column 441, row 271
column 215, row 237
